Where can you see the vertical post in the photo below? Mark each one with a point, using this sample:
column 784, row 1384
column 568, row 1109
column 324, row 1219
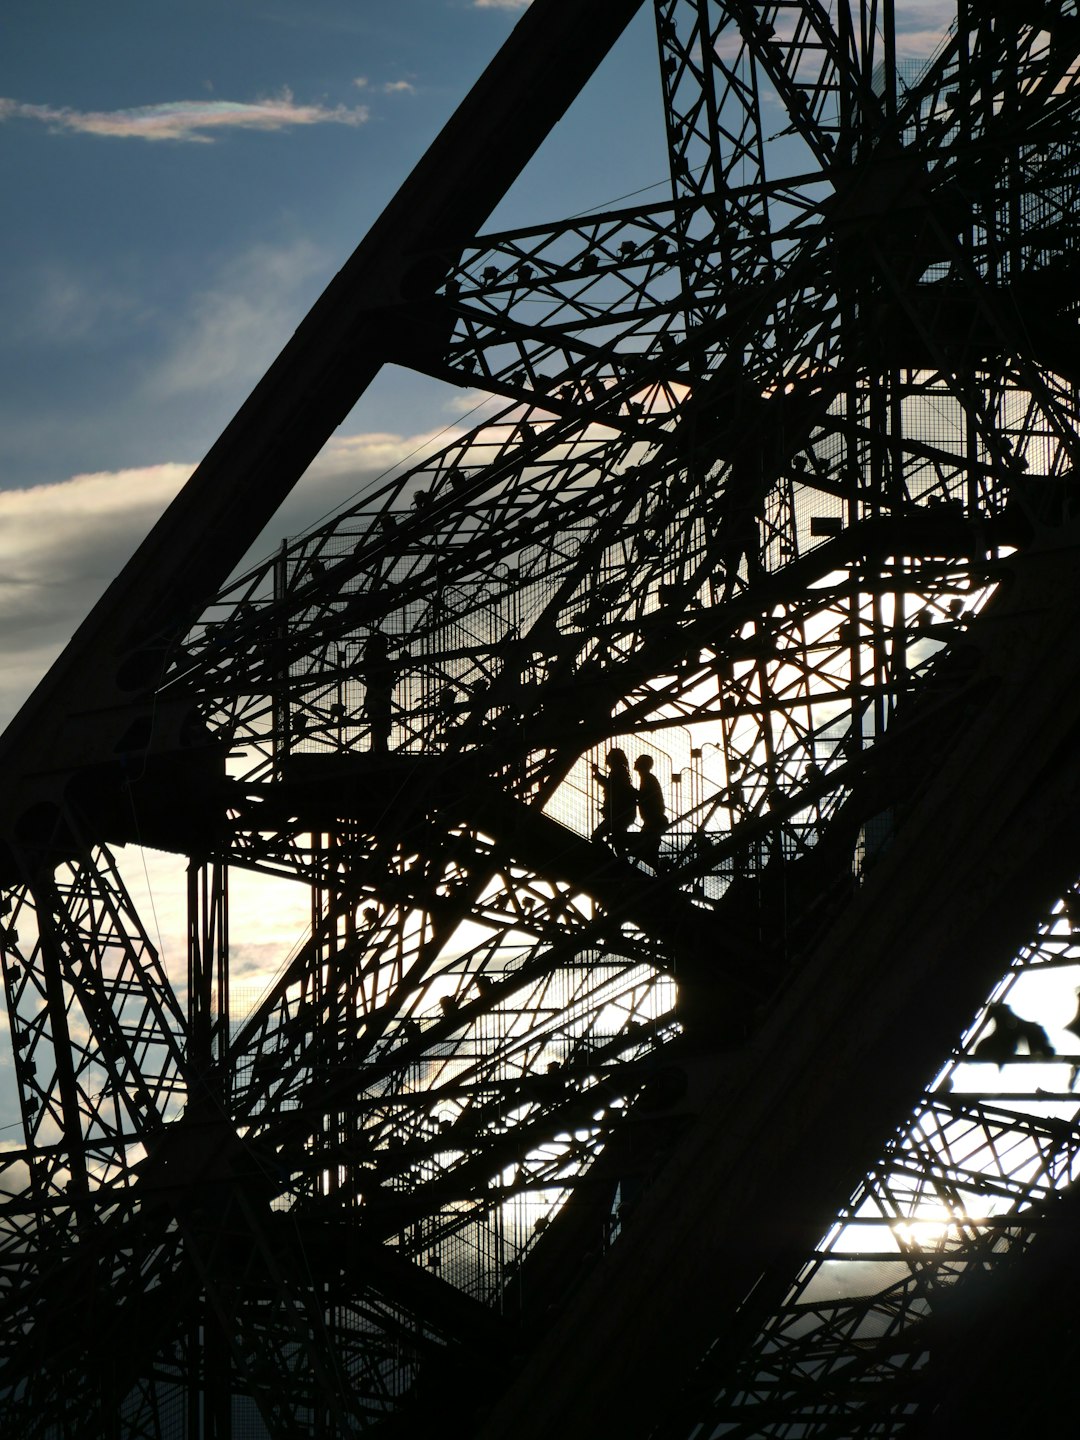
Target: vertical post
column 888, row 23
column 210, row 1388
column 49, row 906
column 192, row 1398
column 281, row 738
column 208, row 970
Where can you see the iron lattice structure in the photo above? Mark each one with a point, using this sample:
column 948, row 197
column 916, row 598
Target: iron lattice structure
column 774, row 482
column 934, row 1239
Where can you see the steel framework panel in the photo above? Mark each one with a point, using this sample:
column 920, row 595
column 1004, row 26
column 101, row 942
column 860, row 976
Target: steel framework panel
column 775, row 486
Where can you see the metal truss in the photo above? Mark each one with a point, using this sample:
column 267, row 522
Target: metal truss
column 958, row 1196
column 749, row 482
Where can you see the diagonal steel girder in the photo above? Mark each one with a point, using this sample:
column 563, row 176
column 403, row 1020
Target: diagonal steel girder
column 798, row 1117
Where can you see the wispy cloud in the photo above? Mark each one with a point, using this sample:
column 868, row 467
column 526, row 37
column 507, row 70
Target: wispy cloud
column 501, row 4
column 61, row 544
column 921, row 25
column 472, row 402
column 240, row 320
column 919, row 44
column 387, row 87
column 190, row 120
column 61, row 306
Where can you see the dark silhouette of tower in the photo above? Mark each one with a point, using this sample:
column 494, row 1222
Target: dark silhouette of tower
column 526, row 1139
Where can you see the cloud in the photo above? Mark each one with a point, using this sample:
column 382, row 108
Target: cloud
column 190, row 120
column 57, row 540
column 473, row 403
column 61, row 544
column 921, row 26
column 346, row 465
column 501, row 4
column 269, row 919
column 919, row 44
column 240, row 321
column 388, row 87
column 61, row 307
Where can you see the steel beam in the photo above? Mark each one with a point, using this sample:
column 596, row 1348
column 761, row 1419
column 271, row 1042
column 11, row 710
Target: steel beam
column 749, row 1191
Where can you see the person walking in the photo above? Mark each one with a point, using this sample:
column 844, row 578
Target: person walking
column 619, row 803
column 653, row 811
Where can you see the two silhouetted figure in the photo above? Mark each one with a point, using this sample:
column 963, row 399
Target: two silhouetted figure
column 622, row 803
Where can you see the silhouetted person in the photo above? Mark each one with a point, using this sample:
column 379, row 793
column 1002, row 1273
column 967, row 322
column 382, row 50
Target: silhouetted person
column 446, row 707
column 377, row 673
column 1003, row 1042
column 653, row 812
column 740, row 527
column 620, row 801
